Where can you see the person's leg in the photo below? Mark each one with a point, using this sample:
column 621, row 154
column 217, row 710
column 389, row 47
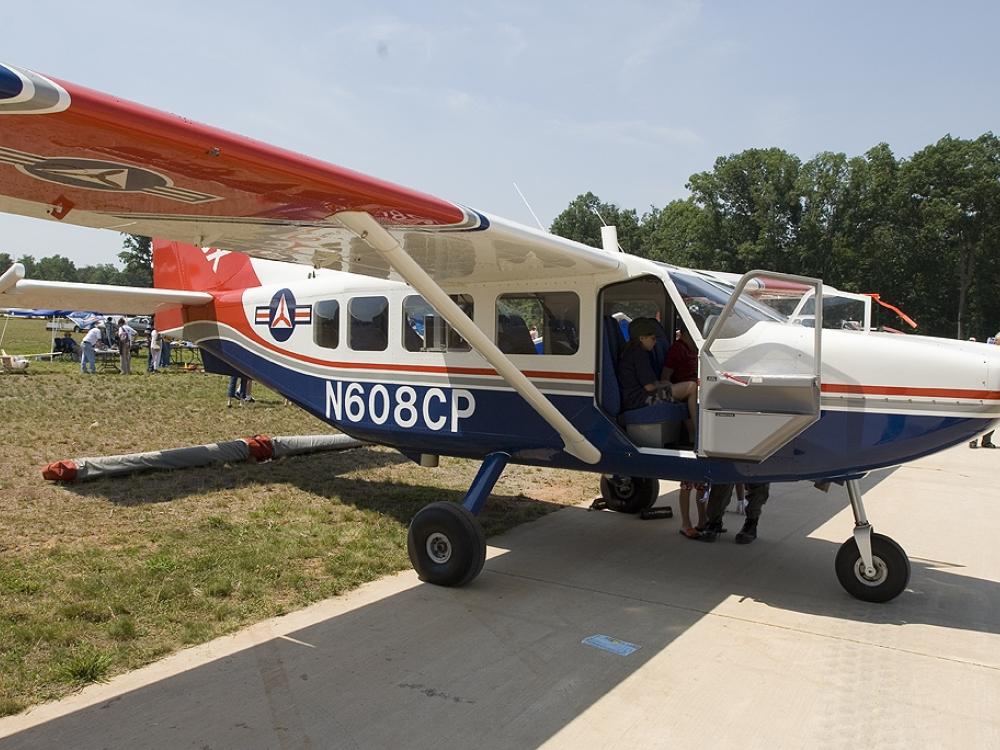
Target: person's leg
column 684, row 502
column 127, row 360
column 83, row 357
column 231, row 391
column 718, row 501
column 701, row 502
column 757, row 495
column 687, row 392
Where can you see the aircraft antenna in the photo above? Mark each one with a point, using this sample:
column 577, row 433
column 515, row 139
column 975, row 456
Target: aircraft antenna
column 609, row 234
column 539, row 223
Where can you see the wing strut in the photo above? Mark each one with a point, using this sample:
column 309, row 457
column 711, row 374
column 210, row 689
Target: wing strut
column 369, row 230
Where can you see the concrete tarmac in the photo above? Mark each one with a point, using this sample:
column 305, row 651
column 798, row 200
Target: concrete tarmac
column 738, row 646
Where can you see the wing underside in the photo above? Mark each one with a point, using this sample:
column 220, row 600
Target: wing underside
column 86, row 158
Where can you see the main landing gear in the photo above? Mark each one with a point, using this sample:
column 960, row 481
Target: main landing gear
column 446, row 543
column 629, row 494
column 870, row 566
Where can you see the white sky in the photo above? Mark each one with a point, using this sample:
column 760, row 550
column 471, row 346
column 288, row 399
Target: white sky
column 625, row 99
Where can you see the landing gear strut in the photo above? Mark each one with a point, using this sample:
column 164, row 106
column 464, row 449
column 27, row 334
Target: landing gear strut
column 445, row 541
column 870, row 566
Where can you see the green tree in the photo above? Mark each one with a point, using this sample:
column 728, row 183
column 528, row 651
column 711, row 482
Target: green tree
column 103, row 273
column 582, row 221
column 753, row 208
column 55, row 268
column 823, row 186
column 677, row 234
column 5, row 261
column 137, row 257
column 954, row 193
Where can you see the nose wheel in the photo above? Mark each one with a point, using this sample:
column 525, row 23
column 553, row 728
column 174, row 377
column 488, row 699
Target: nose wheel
column 870, row 566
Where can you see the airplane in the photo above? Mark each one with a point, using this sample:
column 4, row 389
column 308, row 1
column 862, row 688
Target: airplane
column 317, row 280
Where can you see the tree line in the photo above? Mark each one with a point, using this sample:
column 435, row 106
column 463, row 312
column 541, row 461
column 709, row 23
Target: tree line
column 136, row 258
column 921, row 231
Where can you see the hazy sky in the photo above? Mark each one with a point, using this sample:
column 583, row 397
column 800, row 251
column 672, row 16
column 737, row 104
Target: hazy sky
column 626, row 99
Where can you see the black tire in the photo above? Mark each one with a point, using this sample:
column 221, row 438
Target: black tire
column 892, row 570
column 629, row 494
column 446, row 544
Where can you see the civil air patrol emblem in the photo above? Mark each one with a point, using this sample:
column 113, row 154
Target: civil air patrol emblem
column 24, row 92
column 96, row 174
column 283, row 315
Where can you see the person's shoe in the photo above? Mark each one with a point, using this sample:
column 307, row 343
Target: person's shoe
column 984, row 444
column 973, row 443
column 714, row 527
column 748, row 533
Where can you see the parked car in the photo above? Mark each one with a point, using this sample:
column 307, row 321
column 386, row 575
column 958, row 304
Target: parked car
column 140, row 323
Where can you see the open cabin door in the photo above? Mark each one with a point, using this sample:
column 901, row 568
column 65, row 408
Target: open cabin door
column 759, row 381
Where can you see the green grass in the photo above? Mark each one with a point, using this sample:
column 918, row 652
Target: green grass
column 107, row 576
column 23, row 336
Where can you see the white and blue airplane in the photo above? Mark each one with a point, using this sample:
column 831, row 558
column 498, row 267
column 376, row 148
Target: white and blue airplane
column 404, row 319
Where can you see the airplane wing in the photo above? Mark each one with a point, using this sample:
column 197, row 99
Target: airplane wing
column 74, row 155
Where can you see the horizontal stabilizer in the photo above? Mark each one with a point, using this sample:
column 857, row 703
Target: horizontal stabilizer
column 104, row 298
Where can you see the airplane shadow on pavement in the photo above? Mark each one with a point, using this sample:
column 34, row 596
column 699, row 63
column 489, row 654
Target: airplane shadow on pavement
column 500, row 662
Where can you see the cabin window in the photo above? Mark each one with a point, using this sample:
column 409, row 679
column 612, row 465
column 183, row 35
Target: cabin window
column 369, row 324
column 326, row 323
column 424, row 330
column 538, row 323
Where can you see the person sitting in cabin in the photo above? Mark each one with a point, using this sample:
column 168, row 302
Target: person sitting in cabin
column 681, row 371
column 636, row 379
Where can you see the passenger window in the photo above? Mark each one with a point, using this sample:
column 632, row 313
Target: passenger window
column 538, row 323
column 424, row 330
column 369, row 324
column 326, row 323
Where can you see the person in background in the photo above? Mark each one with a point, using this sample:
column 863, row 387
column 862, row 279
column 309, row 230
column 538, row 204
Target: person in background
column 89, row 341
column 239, row 388
column 126, row 334
column 67, row 344
column 155, row 343
column 718, row 500
column 110, row 332
column 684, row 502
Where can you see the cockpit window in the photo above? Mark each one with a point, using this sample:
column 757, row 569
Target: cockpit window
column 705, row 299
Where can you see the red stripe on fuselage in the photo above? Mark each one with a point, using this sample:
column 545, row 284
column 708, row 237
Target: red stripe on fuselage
column 893, row 390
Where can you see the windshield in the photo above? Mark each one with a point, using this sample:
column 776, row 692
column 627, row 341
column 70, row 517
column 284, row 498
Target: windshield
column 705, row 298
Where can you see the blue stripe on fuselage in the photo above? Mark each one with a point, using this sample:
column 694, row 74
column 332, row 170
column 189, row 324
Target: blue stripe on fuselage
column 442, row 420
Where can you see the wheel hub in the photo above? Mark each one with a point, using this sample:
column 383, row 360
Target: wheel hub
column 625, row 488
column 438, row 548
column 881, row 572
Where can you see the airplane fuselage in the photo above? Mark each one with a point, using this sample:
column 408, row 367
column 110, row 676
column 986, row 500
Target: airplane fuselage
column 376, row 381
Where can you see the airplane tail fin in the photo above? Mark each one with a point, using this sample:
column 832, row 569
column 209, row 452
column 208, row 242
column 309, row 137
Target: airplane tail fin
column 180, row 266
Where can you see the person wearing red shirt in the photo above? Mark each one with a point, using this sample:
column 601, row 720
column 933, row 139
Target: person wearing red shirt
column 681, row 369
